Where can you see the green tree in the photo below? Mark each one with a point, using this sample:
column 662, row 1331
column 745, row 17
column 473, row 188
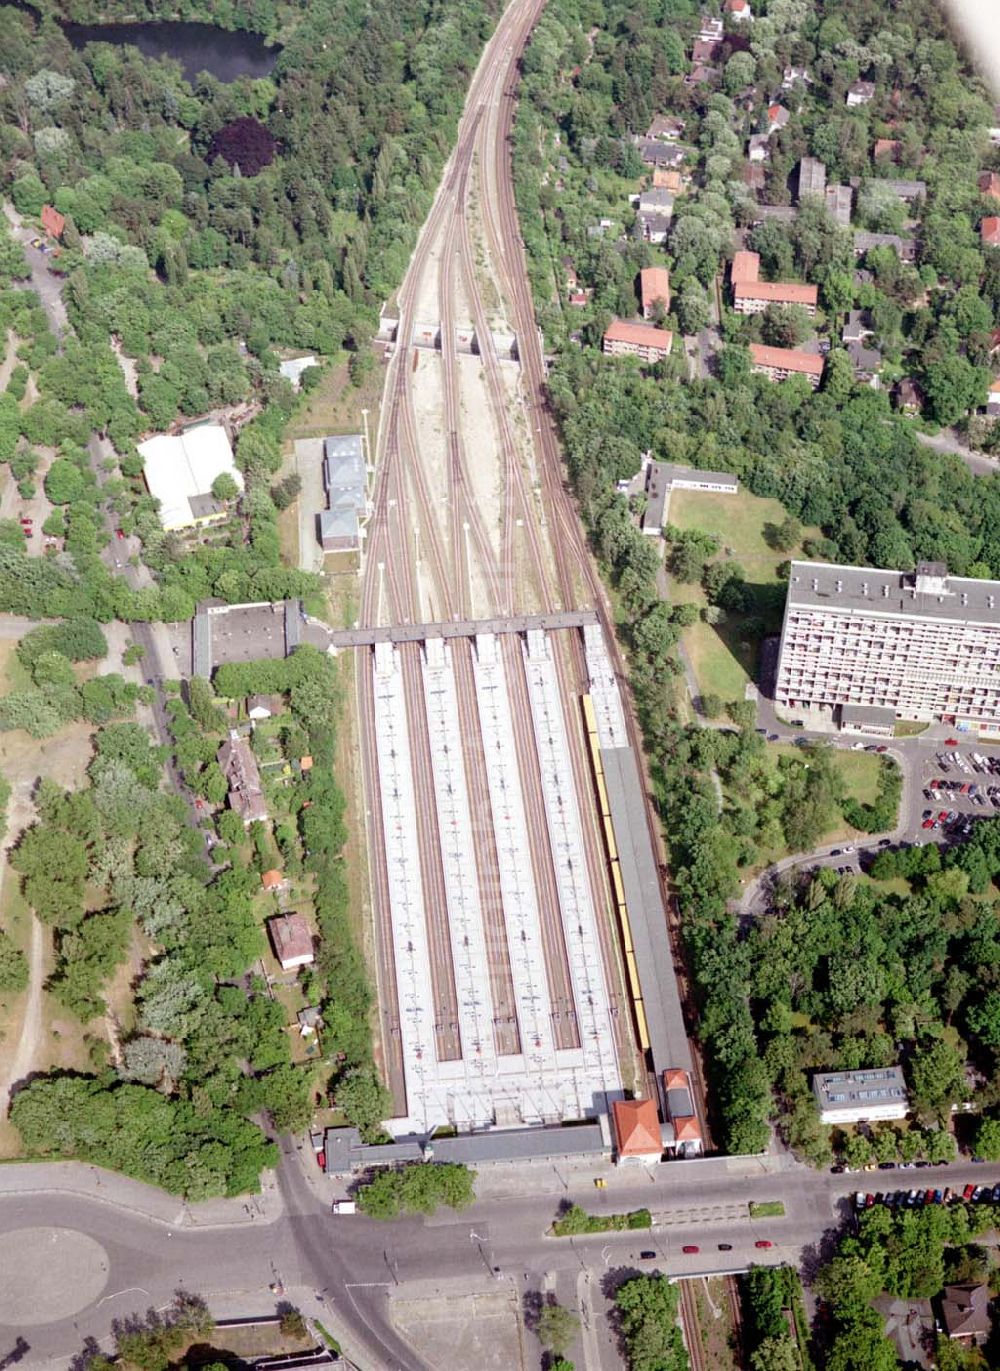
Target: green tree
column 224, row 487
column 364, row 1100
column 557, row 1327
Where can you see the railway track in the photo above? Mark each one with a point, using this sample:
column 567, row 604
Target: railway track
column 692, row 1328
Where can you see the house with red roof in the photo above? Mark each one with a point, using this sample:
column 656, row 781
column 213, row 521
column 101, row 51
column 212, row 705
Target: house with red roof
column 682, row 1120
column 637, row 1131
column 654, row 285
column 780, row 363
column 989, row 231
column 52, row 221
column 645, row 341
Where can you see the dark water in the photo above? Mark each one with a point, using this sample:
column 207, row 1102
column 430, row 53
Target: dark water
column 198, row 47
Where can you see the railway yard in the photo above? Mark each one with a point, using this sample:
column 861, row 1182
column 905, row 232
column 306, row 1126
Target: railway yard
column 510, row 984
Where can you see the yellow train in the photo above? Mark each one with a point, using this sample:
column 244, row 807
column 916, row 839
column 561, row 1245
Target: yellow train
column 614, row 870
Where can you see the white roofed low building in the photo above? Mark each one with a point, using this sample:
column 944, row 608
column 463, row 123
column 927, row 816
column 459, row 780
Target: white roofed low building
column 180, row 470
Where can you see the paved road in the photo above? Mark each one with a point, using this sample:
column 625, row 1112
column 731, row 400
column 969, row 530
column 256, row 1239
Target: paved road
column 358, row 1267
column 948, row 441
column 47, row 286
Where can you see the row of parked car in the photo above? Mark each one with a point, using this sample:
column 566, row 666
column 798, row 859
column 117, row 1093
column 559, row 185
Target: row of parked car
column 915, row 1199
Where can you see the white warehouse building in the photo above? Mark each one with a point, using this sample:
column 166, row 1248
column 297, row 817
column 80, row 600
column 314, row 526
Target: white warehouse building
column 180, row 469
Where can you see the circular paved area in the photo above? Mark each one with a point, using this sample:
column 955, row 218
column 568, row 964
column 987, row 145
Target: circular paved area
column 48, row 1274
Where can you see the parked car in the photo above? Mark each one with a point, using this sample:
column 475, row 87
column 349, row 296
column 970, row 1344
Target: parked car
column 725, row 1246
column 688, row 1248
column 763, row 1242
column 968, row 1193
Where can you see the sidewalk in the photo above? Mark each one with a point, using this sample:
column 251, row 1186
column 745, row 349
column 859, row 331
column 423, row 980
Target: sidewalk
column 108, row 1187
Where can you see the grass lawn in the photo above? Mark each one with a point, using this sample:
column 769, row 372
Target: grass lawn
column 767, row 1209
column 724, row 656
column 859, row 770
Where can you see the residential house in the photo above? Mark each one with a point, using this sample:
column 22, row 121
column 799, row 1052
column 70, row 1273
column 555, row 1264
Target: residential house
column 711, row 30
column 292, row 941
column 908, row 396
column 599, row 229
column 753, row 175
column 759, row 148
column 656, row 153
column 989, row 184
column 778, row 364
column 781, row 214
column 645, row 341
column 53, row 222
column 666, row 126
column 812, row 176
column 906, row 248
column 860, row 93
column 654, row 287
column 569, row 270
column 867, row 363
column 965, row 1313
column 264, row 706
column 239, row 766
column 745, row 267
column 989, row 231
column 993, row 398
column 777, row 117
column 739, row 11
column 655, row 200
column 705, row 51
column 305, row 763
column 272, row 880
column 793, row 76
column 838, row 204
column 652, row 228
column 907, row 191
column 637, row 1132
column 857, row 328
column 668, row 178
column 579, row 299
column 909, row 1326
column 699, row 75
column 886, row 149
column 310, row 1020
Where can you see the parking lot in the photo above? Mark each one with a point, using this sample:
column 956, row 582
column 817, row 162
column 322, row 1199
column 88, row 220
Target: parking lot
column 957, row 786
column 919, row 1197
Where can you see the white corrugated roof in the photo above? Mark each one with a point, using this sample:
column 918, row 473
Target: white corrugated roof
column 178, row 467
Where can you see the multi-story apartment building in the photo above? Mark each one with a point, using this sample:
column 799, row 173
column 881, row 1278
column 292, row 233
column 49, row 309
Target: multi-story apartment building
column 645, row 341
column 753, row 297
column 910, row 645
column 780, row 363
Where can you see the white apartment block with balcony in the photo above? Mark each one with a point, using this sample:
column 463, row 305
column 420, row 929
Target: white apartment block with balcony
column 922, row 644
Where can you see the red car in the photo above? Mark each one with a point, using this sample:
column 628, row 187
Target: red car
column 943, row 815
column 690, row 1249
column 951, row 742
column 927, row 823
column 763, row 1242
column 119, row 533
column 968, row 1192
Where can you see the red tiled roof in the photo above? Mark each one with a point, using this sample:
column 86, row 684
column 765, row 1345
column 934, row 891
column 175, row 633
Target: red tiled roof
column 637, row 1128
column 886, row 147
column 777, row 292
column 989, row 184
column 642, row 335
column 655, row 285
column 745, row 268
column 52, row 221
column 990, row 231
column 290, row 936
column 788, row 359
column 270, row 880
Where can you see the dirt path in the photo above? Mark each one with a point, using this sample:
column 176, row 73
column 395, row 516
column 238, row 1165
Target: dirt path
column 31, row 1024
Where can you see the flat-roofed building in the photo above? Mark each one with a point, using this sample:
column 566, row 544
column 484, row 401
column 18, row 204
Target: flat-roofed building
column 753, row 297
column 812, row 176
column 664, row 477
column 345, row 478
column 180, row 470
column 866, row 1095
column 654, row 285
column 838, row 199
column 778, row 364
column 645, row 341
column 921, row 643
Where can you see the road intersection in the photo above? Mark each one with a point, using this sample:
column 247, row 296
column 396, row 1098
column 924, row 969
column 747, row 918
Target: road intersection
column 350, row 1271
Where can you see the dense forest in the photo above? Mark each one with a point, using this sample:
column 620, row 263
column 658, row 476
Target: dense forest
column 840, row 458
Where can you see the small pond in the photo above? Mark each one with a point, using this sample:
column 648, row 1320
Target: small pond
column 198, row 47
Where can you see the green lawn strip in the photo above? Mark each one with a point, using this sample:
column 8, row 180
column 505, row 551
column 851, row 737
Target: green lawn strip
column 576, row 1221
column 767, row 1209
